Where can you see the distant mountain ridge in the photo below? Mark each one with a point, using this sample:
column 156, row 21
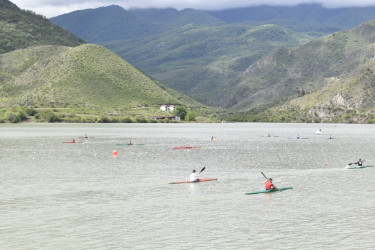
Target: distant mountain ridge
column 199, row 60
column 116, row 23
column 308, row 13
column 312, row 18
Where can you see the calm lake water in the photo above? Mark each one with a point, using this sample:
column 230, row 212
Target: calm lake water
column 79, row 196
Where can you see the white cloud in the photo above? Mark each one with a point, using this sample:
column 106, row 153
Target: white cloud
column 50, row 8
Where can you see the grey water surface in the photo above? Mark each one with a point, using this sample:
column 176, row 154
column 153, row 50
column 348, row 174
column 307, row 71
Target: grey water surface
column 55, row 195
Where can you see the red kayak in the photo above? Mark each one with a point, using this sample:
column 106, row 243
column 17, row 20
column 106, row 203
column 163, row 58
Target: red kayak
column 199, row 180
column 185, row 147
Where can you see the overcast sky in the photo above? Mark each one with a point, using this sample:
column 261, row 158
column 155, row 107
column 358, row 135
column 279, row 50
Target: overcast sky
column 51, row 8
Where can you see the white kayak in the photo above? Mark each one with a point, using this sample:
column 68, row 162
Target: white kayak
column 358, row 167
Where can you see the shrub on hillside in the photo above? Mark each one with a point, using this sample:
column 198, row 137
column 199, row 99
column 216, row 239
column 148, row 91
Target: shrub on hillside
column 31, row 112
column 190, row 116
column 126, row 120
column 104, row 119
column 12, row 117
column 51, row 117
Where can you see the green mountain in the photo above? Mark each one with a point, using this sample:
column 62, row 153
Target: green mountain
column 203, row 52
column 173, row 18
column 311, row 18
column 115, row 23
column 200, row 60
column 21, row 29
column 345, row 99
column 329, row 79
column 88, row 79
column 348, row 98
column 286, row 73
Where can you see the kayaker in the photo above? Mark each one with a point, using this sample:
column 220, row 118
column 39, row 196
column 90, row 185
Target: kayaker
column 130, row 143
column 73, row 140
column 193, row 176
column 269, row 184
column 359, row 162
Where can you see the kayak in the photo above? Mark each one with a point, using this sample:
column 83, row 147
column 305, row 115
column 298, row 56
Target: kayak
column 270, row 191
column 358, row 167
column 186, row 147
column 72, row 142
column 127, row 144
column 199, row 180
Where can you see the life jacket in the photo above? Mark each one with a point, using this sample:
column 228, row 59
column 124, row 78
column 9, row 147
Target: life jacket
column 269, row 185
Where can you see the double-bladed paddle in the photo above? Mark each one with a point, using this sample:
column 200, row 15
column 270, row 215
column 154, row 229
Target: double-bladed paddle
column 199, row 172
column 354, row 163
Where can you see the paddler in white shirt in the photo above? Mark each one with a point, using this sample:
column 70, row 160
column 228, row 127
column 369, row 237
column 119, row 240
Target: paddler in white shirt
column 193, row 176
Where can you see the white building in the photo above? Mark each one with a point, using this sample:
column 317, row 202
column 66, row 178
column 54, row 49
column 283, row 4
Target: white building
column 171, row 107
column 163, row 107
column 167, row 107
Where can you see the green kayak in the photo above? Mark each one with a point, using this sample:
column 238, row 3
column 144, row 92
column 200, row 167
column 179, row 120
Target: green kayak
column 270, row 191
column 358, row 167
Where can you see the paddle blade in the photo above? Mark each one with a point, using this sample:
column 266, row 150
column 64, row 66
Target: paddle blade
column 202, row 169
column 350, row 164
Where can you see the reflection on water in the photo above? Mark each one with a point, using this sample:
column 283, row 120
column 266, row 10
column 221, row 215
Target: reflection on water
column 79, row 196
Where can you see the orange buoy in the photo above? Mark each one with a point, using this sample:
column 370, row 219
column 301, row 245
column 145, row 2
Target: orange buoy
column 114, row 153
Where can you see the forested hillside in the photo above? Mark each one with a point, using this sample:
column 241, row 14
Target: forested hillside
column 21, row 29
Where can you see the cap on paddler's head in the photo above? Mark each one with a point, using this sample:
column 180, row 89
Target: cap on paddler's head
column 270, row 179
column 194, row 171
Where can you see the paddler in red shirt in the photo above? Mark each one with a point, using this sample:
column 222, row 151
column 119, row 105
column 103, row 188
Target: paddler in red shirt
column 269, row 184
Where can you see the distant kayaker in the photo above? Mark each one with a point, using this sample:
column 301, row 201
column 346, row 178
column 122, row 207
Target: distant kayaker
column 193, row 176
column 130, row 143
column 359, row 162
column 73, row 140
column 269, row 184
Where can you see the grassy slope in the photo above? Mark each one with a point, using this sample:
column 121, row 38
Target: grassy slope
column 87, row 75
column 200, row 60
column 287, row 73
column 345, row 99
column 21, row 29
